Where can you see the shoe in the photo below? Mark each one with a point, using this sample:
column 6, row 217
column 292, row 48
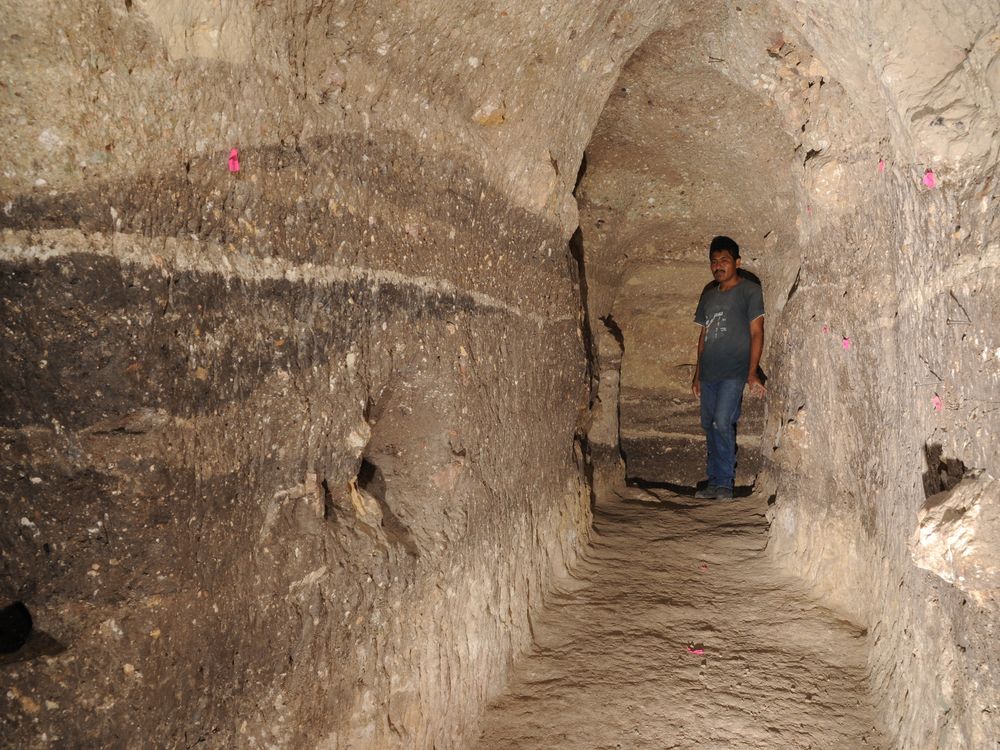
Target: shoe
column 710, row 492
column 723, row 493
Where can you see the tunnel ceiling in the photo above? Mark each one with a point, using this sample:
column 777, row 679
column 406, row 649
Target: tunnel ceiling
column 684, row 151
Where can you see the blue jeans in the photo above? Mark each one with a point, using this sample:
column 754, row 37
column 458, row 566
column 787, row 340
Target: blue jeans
column 720, row 411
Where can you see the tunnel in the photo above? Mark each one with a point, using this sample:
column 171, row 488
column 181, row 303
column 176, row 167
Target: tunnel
column 347, row 374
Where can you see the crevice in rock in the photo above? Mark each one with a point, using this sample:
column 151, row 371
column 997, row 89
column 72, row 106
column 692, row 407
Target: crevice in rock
column 795, row 286
column 811, row 154
column 370, row 479
column 578, row 272
column 943, row 473
column 615, row 330
column 15, row 627
column 329, row 506
column 585, row 464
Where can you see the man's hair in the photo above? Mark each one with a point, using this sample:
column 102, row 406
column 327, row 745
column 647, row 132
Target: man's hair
column 724, row 243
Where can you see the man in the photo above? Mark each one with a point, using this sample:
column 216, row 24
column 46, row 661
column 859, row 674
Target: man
column 731, row 315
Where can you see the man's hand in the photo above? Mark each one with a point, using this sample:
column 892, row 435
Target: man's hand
column 696, row 387
column 757, row 387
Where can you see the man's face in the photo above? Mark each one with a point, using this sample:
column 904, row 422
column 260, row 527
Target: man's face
column 724, row 266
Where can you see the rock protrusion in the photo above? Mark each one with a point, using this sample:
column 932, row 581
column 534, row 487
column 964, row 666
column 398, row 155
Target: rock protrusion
column 958, row 538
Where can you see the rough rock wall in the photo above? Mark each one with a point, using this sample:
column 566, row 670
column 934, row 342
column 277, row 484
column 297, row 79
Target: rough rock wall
column 881, row 310
column 886, row 370
column 189, row 515
column 291, row 448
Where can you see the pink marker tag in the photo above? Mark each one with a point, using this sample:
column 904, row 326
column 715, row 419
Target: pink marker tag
column 881, row 166
column 698, row 651
column 846, row 343
column 703, row 566
column 937, row 403
column 826, row 329
column 929, row 179
column 234, row 160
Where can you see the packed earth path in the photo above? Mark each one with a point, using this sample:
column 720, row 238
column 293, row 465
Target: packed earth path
column 677, row 630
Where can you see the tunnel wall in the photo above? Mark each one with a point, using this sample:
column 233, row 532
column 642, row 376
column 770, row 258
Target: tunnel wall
column 187, row 510
column 885, row 374
column 290, row 449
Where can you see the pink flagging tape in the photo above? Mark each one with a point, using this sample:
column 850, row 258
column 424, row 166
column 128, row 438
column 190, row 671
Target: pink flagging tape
column 846, row 343
column 698, row 651
column 234, row 160
column 930, row 180
column 881, row 166
column 937, row 403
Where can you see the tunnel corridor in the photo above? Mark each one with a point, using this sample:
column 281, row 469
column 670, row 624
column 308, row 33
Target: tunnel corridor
column 346, row 379
column 683, row 152
column 675, row 630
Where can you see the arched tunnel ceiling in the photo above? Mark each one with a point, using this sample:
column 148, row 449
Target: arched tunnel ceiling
column 682, row 151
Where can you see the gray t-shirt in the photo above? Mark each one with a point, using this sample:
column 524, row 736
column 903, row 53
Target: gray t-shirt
column 726, row 317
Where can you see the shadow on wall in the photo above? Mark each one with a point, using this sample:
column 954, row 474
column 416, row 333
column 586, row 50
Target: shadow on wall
column 20, row 640
column 684, row 490
column 942, row 473
column 371, row 480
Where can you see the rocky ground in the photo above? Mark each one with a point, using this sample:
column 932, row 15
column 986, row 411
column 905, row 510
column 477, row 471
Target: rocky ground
column 677, row 631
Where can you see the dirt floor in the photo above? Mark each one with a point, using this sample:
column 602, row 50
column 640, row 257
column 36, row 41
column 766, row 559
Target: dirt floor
column 665, row 575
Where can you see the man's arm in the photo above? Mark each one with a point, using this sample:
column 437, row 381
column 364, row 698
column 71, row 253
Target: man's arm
column 696, row 380
column 756, row 349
